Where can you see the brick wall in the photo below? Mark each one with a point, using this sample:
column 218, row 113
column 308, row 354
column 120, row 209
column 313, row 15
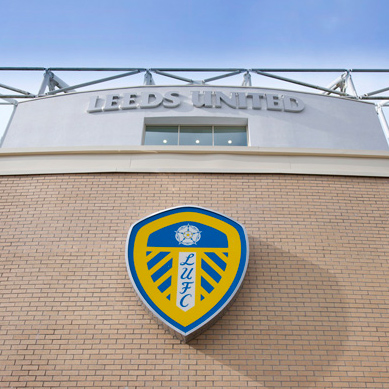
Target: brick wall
column 312, row 313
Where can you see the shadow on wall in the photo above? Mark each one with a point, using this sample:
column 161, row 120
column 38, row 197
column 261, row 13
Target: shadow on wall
column 288, row 324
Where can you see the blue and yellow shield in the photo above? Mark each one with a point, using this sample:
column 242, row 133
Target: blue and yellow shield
column 186, row 264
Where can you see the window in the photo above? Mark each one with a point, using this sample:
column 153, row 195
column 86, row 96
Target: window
column 166, row 135
column 196, row 135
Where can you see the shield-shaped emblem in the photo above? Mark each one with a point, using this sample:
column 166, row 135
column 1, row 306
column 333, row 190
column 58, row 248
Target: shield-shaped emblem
column 187, row 264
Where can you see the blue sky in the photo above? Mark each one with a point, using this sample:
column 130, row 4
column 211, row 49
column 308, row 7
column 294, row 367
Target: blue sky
column 195, row 33
column 186, row 33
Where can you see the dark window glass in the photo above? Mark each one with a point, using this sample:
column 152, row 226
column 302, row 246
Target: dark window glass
column 195, row 136
column 230, row 136
column 161, row 135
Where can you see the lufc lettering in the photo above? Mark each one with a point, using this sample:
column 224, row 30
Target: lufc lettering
column 186, row 281
column 206, row 99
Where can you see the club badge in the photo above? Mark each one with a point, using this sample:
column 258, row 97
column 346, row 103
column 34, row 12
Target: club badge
column 186, row 264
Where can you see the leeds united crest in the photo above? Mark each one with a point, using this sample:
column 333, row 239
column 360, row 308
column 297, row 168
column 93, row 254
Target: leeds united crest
column 187, row 264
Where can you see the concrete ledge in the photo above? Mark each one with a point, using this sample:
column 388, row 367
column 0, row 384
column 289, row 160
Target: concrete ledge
column 194, row 160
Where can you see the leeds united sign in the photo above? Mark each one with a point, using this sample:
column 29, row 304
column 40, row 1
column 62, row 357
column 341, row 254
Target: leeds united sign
column 205, row 99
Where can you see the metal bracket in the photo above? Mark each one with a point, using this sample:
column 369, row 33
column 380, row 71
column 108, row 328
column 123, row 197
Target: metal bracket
column 50, row 80
column 148, row 78
column 382, row 118
column 247, row 79
column 343, row 83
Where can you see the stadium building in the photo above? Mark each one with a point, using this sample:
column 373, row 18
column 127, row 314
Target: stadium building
column 305, row 171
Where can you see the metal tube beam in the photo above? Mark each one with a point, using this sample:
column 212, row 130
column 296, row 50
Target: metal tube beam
column 22, row 68
column 289, row 70
column 302, row 83
column 369, row 70
column 374, row 97
column 198, row 69
column 172, row 76
column 45, row 83
column 223, row 76
column 96, row 69
column 55, row 82
column 16, row 90
column 93, row 82
column 376, row 92
column 350, row 84
column 17, row 97
column 9, row 101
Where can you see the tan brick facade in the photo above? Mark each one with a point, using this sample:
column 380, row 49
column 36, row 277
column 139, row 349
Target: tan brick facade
column 312, row 312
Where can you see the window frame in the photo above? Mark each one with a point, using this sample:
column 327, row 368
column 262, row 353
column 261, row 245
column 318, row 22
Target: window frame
column 213, row 126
